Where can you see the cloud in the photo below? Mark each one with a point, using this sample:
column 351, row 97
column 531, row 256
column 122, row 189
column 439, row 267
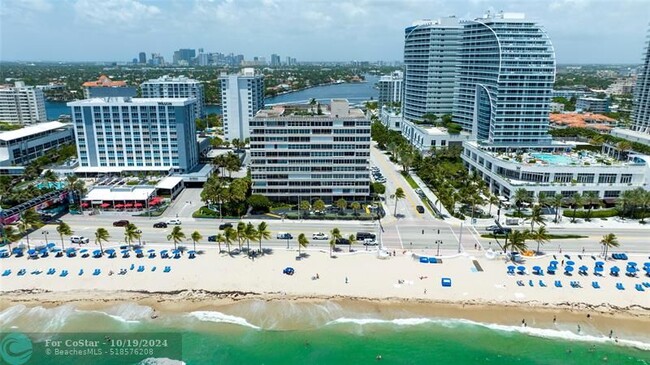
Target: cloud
column 23, row 8
column 114, row 13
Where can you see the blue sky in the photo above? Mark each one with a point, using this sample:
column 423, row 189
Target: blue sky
column 582, row 31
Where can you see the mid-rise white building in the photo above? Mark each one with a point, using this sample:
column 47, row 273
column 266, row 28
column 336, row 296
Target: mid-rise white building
column 391, row 117
column 21, row 146
column 594, row 105
column 116, row 135
column 427, row 137
column 391, row 88
column 297, row 155
column 176, row 87
column 242, row 95
column 22, row 104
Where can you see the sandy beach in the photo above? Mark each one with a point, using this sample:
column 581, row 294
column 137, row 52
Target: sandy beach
column 214, row 278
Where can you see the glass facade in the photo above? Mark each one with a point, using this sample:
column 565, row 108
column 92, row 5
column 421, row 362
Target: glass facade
column 641, row 113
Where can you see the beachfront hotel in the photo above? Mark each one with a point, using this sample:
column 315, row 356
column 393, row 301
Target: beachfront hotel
column 431, row 49
column 116, row 135
column 242, row 95
column 298, row 154
column 176, row 87
column 21, row 104
column 391, row 88
column 641, row 112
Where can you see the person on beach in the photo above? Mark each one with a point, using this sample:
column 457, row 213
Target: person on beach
column 611, row 333
column 346, row 279
column 579, row 329
column 554, row 319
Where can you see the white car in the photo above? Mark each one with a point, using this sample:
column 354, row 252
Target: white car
column 319, row 236
column 79, row 239
column 370, row 242
column 174, row 221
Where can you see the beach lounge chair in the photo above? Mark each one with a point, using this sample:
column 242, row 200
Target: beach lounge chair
column 22, row 272
column 542, row 284
column 424, row 260
column 64, row 273
column 97, row 272
column 132, row 267
column 530, row 282
column 646, row 284
column 81, row 272
column 619, row 286
column 511, row 270
column 639, row 287
column 6, row 272
column 445, row 282
column 36, row 272
column 520, row 283
column 51, row 271
column 167, row 269
column 140, row 268
column 153, row 268
column 595, row 285
column 558, row 284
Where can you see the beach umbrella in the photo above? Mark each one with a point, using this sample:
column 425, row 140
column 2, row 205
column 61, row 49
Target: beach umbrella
column 32, row 252
column 124, row 251
column 568, row 269
column 570, row 263
column 511, row 268
column 631, row 269
column 110, row 250
column 56, row 249
column 583, row 268
column 50, row 245
column 191, row 252
column 598, row 269
column 83, row 250
column 151, row 250
column 551, row 268
column 554, row 263
column 138, row 251
column 521, row 268
column 536, row 268
column 176, row 251
column 632, row 264
column 599, row 263
column 614, row 269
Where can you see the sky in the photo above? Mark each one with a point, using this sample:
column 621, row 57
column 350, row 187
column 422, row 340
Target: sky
column 582, row 31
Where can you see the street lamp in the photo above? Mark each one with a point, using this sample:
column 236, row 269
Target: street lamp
column 438, row 242
column 45, row 233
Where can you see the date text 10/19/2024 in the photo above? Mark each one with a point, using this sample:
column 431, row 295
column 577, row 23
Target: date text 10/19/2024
column 127, row 346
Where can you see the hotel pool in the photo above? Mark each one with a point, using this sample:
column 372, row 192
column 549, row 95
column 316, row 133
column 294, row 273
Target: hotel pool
column 553, row 159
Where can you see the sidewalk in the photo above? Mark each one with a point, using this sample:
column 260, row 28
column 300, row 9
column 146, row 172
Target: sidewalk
column 434, row 199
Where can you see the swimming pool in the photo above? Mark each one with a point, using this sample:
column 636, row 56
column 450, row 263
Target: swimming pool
column 553, row 159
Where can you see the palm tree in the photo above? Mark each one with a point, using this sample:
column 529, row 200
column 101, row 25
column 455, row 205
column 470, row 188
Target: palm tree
column 220, row 238
column 241, row 233
column 644, row 201
column 590, row 199
column 517, row 241
column 230, row 236
column 263, row 233
column 355, row 207
column 341, row 204
column 304, row 207
column 493, row 200
column 302, row 242
column 623, row 146
column 251, row 234
column 556, row 202
column 28, row 219
column 335, row 234
column 609, row 240
column 536, row 217
column 64, row 230
column 353, row 239
column 176, row 235
column 576, row 201
column 196, row 237
column 521, row 196
column 399, row 194
column 319, row 205
column 131, row 233
column 540, row 235
column 101, row 235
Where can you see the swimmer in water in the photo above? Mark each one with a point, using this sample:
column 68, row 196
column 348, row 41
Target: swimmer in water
column 378, row 357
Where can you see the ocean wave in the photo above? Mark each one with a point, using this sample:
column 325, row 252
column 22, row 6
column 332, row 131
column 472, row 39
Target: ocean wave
column 160, row 361
column 211, row 316
column 129, row 313
column 548, row 333
column 10, row 314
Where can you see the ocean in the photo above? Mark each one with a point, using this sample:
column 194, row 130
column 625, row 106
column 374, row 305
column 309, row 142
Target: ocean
column 354, row 92
column 258, row 332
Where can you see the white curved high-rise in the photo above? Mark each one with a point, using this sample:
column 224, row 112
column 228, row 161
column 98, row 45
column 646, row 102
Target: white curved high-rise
column 506, row 71
column 641, row 113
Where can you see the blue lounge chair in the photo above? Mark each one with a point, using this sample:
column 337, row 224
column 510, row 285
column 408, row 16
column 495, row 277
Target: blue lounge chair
column 51, row 271
column 81, row 272
column 639, row 287
column 619, row 286
column 132, row 267
column 22, row 272
column 520, row 283
column 558, row 284
column 140, row 268
column 595, row 285
column 6, row 272
column 646, row 284
column 97, row 272
column 445, row 282
column 167, row 269
column 433, row 260
column 530, row 282
column 542, row 284
column 64, row 273
column 511, row 270
column 424, row 260
column 153, row 268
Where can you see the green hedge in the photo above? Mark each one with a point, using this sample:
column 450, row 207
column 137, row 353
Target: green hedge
column 599, row 213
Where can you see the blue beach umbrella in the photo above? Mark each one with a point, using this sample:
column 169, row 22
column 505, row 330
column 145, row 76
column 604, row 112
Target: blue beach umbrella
column 176, row 251
column 83, row 250
column 31, row 252
column 599, row 269
column 599, row 263
column 631, row 269
column 536, row 268
column 521, row 268
column 138, row 251
column 568, row 269
column 553, row 263
column 56, row 250
column 615, row 269
column 583, row 268
column 50, row 245
column 124, row 251
column 632, row 264
column 570, row 263
column 151, row 250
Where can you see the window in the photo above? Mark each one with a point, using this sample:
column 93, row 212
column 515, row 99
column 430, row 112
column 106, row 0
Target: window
column 606, row 178
column 626, row 178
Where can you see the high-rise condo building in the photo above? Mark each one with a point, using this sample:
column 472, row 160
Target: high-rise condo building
column 390, row 87
column 142, row 58
column 184, row 56
column 275, row 60
column 242, row 95
column 135, row 134
column 22, row 104
column 641, row 112
column 298, row 153
column 176, row 87
column 430, row 57
column 506, row 71
column 104, row 87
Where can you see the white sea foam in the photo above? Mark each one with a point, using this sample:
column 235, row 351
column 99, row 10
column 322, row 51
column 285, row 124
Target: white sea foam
column 10, row 314
column 531, row 331
column 160, row 361
column 48, row 320
column 211, row 316
column 129, row 313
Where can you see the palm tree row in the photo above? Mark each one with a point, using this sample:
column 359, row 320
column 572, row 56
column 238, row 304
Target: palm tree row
column 516, row 241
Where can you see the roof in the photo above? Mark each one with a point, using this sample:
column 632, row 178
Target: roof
column 583, row 120
column 102, row 193
column 169, row 182
column 118, row 169
column 115, row 101
column 104, row 81
column 31, row 130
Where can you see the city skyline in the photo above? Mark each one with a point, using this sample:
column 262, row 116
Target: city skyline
column 119, row 30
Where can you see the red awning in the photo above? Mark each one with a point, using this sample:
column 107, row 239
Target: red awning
column 105, row 205
column 119, row 205
column 155, row 200
column 84, row 205
column 128, row 205
column 138, row 205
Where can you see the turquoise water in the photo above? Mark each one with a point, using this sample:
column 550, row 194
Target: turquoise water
column 553, row 159
column 210, row 337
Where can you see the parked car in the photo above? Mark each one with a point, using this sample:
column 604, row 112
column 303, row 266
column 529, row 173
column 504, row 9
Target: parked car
column 284, row 236
column 370, row 242
column 342, row 241
column 174, row 221
column 160, row 225
column 79, row 239
column 319, row 236
column 225, row 225
column 212, row 238
column 420, row 209
column 363, row 235
column 492, row 228
column 502, row 230
column 121, row 223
